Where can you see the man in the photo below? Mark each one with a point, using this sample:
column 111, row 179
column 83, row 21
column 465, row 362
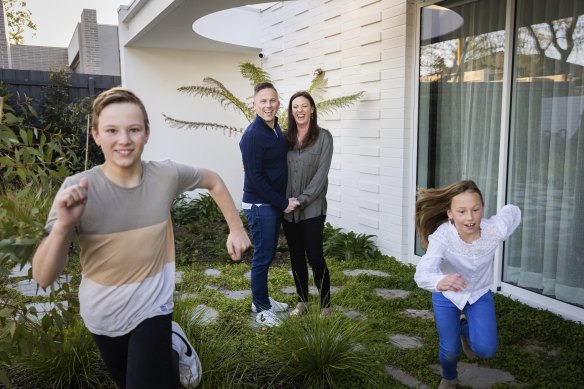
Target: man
column 263, row 150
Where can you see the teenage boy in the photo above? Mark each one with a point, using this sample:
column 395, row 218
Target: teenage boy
column 264, row 150
column 121, row 213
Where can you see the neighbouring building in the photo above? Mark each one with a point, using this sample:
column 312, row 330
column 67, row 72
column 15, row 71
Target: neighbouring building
column 491, row 90
column 93, row 49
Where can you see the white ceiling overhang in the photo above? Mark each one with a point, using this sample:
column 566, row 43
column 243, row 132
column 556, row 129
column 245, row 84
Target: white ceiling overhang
column 226, row 25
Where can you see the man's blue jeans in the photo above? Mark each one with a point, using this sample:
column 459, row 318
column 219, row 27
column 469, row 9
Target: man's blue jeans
column 480, row 330
column 264, row 225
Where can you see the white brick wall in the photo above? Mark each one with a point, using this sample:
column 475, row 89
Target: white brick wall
column 363, row 46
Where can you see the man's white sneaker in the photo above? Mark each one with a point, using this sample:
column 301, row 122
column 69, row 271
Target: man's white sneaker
column 189, row 365
column 276, row 306
column 268, row 318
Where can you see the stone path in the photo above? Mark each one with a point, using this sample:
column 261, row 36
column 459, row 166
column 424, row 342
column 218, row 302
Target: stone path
column 470, row 374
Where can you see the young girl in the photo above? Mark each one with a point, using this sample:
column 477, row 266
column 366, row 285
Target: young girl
column 458, row 269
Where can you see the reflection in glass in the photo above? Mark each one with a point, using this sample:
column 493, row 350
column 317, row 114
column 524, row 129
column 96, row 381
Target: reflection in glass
column 460, row 94
column 546, row 161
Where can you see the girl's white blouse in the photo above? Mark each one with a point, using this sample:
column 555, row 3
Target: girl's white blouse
column 447, row 254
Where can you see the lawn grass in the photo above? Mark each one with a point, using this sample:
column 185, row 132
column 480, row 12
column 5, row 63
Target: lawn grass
column 537, row 347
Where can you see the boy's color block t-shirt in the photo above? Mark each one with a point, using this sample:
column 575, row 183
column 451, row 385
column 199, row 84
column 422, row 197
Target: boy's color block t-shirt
column 127, row 246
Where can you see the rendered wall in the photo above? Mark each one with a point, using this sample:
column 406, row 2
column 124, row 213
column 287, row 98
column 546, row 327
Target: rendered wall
column 155, row 75
column 362, row 45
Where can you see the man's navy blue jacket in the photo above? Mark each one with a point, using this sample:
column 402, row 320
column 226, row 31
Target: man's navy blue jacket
column 264, row 152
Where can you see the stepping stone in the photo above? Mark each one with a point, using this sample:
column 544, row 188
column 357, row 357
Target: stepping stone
column 404, row 378
column 185, row 296
column 309, row 273
column 405, row 342
column 358, row 272
column 18, row 272
column 358, row 347
column 29, row 287
column 539, row 350
column 478, row 377
column 236, row 294
column 389, row 294
column 178, row 276
column 351, row 313
column 419, row 314
column 311, row 289
column 204, row 315
column 212, row 272
column 232, row 294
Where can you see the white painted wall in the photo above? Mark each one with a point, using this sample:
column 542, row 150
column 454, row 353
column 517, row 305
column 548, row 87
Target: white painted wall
column 155, row 74
column 362, row 45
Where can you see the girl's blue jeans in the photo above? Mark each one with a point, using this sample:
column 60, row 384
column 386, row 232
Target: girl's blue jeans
column 480, row 330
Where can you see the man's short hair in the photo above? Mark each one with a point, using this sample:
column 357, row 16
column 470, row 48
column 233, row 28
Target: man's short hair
column 263, row 85
column 113, row 96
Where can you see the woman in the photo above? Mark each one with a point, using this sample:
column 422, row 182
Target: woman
column 310, row 150
column 458, row 269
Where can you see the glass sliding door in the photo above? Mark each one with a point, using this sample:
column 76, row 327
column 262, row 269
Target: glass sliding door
column 460, row 94
column 546, row 150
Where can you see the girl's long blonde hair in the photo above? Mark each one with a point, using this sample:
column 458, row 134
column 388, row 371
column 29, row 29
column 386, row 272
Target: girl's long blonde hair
column 433, row 203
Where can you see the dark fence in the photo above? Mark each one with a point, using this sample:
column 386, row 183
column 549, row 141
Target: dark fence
column 32, row 83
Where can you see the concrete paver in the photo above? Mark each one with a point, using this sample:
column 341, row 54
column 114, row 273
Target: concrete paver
column 389, row 294
column 479, row 377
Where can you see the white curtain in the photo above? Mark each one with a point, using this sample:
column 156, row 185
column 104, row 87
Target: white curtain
column 546, row 161
column 461, row 74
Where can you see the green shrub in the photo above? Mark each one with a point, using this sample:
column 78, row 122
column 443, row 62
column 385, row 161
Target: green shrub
column 74, row 363
column 348, row 245
column 33, row 163
column 324, row 352
column 207, row 209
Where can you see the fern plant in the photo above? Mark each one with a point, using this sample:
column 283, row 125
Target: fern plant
column 215, row 90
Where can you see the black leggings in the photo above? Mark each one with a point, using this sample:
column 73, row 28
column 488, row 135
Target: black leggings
column 143, row 358
column 305, row 240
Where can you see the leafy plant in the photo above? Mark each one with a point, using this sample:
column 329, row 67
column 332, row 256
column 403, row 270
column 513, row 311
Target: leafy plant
column 324, row 352
column 33, row 163
column 329, row 231
column 215, row 90
column 349, row 245
column 71, row 119
column 18, row 18
column 76, row 363
column 206, row 208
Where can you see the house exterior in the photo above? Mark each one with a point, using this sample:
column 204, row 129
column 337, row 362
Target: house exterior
column 489, row 90
column 93, row 49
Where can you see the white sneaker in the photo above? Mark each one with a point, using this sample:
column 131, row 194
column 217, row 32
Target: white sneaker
column 189, row 365
column 276, row 306
column 268, row 318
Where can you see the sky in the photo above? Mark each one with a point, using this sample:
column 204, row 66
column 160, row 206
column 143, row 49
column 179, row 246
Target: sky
column 56, row 20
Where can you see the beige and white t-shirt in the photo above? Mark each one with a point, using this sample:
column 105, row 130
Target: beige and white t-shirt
column 127, row 246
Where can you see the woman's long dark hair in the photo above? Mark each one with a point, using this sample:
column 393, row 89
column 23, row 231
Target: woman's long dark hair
column 313, row 128
column 432, row 205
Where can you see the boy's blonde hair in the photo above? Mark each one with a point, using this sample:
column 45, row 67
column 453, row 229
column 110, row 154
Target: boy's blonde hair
column 113, row 96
